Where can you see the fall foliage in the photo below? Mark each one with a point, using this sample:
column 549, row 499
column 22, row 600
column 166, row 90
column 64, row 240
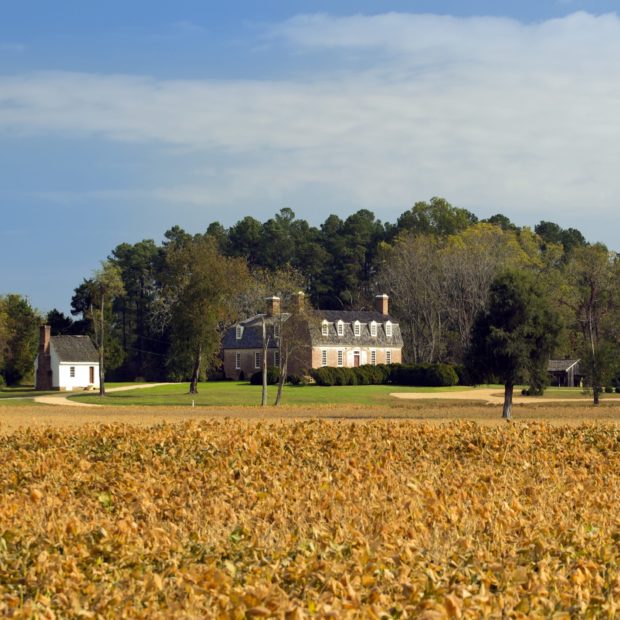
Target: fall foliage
column 383, row 519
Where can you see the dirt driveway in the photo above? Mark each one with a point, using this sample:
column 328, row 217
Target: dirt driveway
column 63, row 398
column 490, row 396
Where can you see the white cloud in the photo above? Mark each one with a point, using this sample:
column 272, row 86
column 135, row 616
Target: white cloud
column 489, row 112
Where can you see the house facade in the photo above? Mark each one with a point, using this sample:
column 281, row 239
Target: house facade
column 329, row 338
column 65, row 362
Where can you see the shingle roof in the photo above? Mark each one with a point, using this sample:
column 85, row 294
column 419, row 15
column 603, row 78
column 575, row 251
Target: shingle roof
column 563, row 365
column 252, row 336
column 348, row 316
column 75, row 349
column 348, row 338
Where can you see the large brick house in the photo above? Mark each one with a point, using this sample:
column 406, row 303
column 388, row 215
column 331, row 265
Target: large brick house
column 329, row 338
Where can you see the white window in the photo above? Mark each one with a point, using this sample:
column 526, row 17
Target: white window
column 324, row 357
column 357, row 329
column 324, row 328
column 373, row 329
column 340, row 357
column 373, row 357
column 340, row 328
column 257, row 360
column 72, row 371
column 237, row 361
column 388, row 357
column 388, row 330
column 239, row 332
column 276, row 359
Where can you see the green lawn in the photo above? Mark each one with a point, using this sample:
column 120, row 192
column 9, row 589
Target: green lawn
column 231, row 393
column 21, row 391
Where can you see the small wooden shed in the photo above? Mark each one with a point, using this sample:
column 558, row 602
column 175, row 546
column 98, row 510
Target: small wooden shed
column 564, row 373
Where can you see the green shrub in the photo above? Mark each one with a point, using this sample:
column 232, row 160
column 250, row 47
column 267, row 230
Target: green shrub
column 273, row 375
column 300, row 380
column 609, row 389
column 324, row 376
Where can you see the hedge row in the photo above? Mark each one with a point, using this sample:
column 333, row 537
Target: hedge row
column 422, row 375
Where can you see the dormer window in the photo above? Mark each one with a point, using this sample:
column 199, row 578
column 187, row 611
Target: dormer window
column 340, row 328
column 373, row 329
column 388, row 329
column 276, row 330
column 239, row 332
column 324, row 328
column 357, row 329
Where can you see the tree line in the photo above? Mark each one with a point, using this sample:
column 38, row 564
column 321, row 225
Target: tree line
column 170, row 301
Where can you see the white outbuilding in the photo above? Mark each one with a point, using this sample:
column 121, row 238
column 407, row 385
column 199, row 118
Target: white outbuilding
column 66, row 362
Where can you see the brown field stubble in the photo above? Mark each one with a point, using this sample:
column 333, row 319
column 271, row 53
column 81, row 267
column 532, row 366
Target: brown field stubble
column 223, row 518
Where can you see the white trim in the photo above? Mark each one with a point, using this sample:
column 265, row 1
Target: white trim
column 388, row 329
column 373, row 329
column 357, row 329
column 340, row 358
column 239, row 332
column 237, row 361
column 340, row 328
column 388, row 356
column 323, row 357
column 324, row 328
column 257, row 360
column 373, row 357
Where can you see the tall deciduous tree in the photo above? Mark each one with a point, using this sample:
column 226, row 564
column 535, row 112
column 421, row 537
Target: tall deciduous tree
column 200, row 288
column 105, row 286
column 20, row 337
column 591, row 290
column 513, row 338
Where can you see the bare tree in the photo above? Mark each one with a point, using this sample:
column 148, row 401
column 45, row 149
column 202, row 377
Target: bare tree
column 412, row 273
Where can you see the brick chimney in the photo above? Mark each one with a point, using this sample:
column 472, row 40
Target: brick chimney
column 300, row 302
column 382, row 304
column 44, row 363
column 273, row 306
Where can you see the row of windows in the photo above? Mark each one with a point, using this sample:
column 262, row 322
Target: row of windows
column 340, row 357
column 257, row 360
column 357, row 329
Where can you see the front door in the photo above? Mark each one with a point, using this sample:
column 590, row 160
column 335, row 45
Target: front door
column 91, row 375
column 356, row 359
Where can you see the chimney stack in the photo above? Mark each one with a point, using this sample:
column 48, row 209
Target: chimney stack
column 273, row 306
column 300, row 302
column 45, row 332
column 43, row 379
column 382, row 304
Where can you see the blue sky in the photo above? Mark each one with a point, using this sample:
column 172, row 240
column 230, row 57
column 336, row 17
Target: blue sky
column 119, row 120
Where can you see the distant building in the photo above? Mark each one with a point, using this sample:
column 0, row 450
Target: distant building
column 565, row 373
column 333, row 338
column 65, row 362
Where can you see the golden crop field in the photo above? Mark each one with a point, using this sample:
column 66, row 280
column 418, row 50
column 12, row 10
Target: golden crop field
column 311, row 519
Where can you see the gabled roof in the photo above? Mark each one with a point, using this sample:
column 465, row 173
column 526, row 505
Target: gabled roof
column 348, row 338
column 252, row 336
column 349, row 316
column 562, row 365
column 75, row 349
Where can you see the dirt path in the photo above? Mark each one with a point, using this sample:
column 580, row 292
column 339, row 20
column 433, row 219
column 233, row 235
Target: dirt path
column 62, row 399
column 490, row 396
